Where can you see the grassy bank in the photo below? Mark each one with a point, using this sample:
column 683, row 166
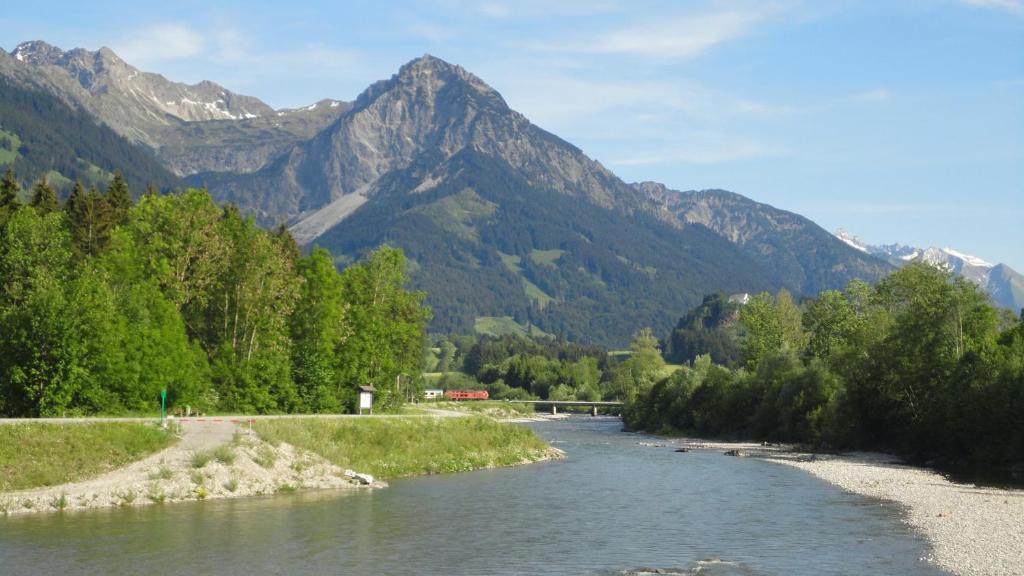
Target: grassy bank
column 398, row 447
column 34, row 455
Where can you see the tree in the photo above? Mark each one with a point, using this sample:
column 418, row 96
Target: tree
column 771, row 324
column 244, row 322
column 118, row 198
column 9, row 190
column 44, row 197
column 89, row 218
column 318, row 329
column 387, row 324
column 644, row 366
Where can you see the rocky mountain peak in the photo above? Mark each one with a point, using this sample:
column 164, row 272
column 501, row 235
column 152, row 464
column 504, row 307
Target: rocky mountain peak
column 37, row 52
column 427, row 78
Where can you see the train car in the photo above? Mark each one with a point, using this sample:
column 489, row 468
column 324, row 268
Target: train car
column 466, row 394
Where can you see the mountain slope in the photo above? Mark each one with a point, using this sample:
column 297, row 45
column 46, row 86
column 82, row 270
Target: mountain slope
column 1003, row 284
column 485, row 241
column 40, row 134
column 131, row 101
column 800, row 255
column 191, row 128
column 429, row 105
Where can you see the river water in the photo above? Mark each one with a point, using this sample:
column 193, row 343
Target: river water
column 611, row 506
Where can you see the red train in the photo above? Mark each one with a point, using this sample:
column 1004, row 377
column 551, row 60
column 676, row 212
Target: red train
column 466, row 394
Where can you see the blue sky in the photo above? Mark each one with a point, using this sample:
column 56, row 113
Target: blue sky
column 900, row 121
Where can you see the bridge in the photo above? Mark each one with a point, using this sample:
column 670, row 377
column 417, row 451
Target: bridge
column 556, row 403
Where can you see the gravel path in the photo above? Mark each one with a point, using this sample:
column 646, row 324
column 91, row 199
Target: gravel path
column 247, row 467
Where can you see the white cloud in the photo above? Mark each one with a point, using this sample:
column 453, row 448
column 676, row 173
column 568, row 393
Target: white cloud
column 1012, row 6
column 161, row 43
column 670, row 37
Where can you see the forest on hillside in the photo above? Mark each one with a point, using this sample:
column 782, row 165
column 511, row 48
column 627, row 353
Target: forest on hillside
column 104, row 302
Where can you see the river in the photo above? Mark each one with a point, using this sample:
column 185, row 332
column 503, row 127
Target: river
column 612, row 505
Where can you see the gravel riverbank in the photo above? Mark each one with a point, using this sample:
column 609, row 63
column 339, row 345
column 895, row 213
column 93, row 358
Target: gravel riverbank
column 971, row 530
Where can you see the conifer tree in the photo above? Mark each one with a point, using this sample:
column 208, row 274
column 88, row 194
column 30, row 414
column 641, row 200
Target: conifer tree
column 89, row 218
column 44, row 197
column 118, row 198
column 150, row 191
column 8, row 195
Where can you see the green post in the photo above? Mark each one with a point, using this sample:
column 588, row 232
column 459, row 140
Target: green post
column 163, row 404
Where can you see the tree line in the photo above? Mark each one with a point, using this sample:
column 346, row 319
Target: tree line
column 105, row 301
column 921, row 364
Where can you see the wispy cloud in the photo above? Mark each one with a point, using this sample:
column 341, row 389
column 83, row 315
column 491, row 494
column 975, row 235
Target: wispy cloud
column 161, row 43
column 677, row 37
column 1015, row 7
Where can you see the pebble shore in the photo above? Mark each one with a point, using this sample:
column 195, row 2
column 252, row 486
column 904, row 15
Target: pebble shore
column 972, row 530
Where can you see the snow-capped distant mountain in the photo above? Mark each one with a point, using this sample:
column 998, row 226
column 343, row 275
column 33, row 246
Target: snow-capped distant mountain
column 1005, row 285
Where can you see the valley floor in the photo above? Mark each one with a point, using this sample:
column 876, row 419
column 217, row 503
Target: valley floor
column 972, row 530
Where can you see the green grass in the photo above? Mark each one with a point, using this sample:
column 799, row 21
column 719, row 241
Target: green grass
column 9, row 153
column 546, row 257
column 35, row 454
column 223, row 454
column 58, row 180
column 511, row 261
column 505, row 326
column 669, row 369
column 531, row 290
column 456, row 213
column 399, row 447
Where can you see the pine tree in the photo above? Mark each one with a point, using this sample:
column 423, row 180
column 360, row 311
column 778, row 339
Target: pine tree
column 150, row 191
column 9, row 190
column 44, row 197
column 118, row 198
column 89, row 217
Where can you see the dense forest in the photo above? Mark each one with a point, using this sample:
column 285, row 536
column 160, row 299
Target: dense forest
column 105, row 301
column 921, row 364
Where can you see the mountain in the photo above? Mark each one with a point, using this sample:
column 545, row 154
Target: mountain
column 800, row 255
column 131, row 101
column 503, row 219
column 506, row 225
column 1003, row 284
column 41, row 135
column 429, row 108
column 190, row 128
